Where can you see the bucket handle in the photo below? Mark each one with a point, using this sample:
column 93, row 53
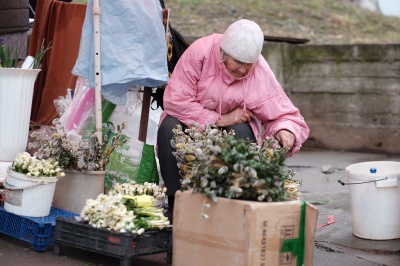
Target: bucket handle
column 370, row 181
column 17, row 188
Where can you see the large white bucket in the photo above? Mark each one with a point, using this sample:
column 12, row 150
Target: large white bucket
column 28, row 196
column 73, row 189
column 375, row 199
column 16, row 93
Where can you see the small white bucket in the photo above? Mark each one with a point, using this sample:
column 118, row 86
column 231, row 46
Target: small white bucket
column 375, row 199
column 27, row 196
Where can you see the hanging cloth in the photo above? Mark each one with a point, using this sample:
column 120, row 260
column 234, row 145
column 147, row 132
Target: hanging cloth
column 133, row 47
column 58, row 24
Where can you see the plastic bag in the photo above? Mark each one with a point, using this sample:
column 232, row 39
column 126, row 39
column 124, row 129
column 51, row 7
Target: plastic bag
column 81, row 109
column 62, row 102
column 137, row 58
column 134, row 160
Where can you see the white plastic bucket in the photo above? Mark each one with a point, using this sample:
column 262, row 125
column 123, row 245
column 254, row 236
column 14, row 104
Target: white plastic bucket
column 375, row 199
column 28, row 196
column 73, row 189
column 16, row 93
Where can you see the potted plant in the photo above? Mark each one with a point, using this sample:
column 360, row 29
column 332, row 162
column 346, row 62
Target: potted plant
column 17, row 79
column 83, row 161
column 30, row 185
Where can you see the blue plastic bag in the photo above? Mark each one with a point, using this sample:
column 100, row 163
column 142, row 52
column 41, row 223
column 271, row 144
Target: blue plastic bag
column 133, row 47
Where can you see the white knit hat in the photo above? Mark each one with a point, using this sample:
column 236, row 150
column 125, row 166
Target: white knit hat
column 243, row 40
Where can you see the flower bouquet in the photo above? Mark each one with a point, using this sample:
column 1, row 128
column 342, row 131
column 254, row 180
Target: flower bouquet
column 128, row 207
column 134, row 189
column 33, row 167
column 217, row 164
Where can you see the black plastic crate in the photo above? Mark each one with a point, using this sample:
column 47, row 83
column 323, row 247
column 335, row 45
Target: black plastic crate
column 38, row 231
column 120, row 245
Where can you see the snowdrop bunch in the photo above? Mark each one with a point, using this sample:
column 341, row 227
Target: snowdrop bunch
column 108, row 211
column 31, row 166
column 217, row 164
column 134, row 189
column 124, row 213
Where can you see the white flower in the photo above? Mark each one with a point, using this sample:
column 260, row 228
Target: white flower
column 140, row 231
column 26, row 164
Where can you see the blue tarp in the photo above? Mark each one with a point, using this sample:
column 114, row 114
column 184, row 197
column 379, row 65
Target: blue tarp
column 133, row 47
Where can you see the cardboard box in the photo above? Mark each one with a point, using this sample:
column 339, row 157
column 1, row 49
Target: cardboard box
column 241, row 233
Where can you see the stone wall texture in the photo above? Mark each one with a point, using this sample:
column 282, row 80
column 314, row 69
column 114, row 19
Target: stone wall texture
column 349, row 95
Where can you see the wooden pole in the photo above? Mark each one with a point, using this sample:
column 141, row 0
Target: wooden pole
column 144, row 118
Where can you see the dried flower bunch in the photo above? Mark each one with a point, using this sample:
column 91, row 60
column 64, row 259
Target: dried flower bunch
column 24, row 163
column 217, row 164
column 77, row 154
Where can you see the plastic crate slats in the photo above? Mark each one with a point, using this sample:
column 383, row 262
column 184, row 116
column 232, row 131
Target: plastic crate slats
column 120, row 245
column 39, row 232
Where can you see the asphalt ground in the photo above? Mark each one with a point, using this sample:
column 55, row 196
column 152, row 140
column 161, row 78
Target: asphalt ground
column 335, row 244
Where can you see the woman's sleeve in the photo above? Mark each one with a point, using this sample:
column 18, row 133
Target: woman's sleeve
column 180, row 96
column 277, row 112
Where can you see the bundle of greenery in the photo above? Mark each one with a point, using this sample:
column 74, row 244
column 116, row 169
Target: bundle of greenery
column 217, row 164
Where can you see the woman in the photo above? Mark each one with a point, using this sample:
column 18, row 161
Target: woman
column 224, row 80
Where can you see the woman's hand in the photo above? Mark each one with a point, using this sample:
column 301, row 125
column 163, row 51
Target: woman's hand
column 237, row 116
column 286, row 138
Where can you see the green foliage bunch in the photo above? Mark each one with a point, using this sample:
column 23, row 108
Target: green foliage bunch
column 9, row 55
column 218, row 164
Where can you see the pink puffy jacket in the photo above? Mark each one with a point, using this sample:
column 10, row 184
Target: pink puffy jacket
column 201, row 89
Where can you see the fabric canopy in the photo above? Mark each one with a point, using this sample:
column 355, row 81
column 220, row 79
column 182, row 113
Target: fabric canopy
column 61, row 24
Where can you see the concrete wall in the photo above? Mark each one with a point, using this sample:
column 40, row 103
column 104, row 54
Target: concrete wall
column 348, row 95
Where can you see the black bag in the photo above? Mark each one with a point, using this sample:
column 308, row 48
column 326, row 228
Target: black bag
column 176, row 46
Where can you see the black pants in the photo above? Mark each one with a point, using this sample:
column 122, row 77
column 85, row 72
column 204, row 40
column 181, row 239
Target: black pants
column 168, row 163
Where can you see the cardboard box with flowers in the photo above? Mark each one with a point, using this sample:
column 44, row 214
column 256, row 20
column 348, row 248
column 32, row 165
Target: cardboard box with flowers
column 241, row 206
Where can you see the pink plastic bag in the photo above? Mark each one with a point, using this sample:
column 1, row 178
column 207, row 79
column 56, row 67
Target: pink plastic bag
column 81, row 108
